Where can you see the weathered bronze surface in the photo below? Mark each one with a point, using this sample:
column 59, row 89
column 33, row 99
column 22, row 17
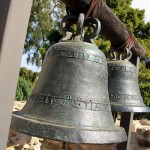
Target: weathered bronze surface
column 70, row 101
column 123, row 87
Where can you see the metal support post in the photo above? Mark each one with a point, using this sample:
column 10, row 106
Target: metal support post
column 14, row 17
column 126, row 123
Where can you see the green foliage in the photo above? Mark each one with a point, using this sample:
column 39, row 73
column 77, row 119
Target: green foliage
column 28, row 74
column 39, row 26
column 132, row 18
column 24, row 89
column 146, row 45
column 102, row 44
column 26, row 82
column 144, row 81
column 44, row 17
column 144, row 74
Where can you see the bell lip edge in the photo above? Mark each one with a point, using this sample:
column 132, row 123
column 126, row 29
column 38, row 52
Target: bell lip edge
column 121, row 133
column 127, row 108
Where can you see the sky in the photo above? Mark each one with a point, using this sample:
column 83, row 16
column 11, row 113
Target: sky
column 29, row 66
column 141, row 4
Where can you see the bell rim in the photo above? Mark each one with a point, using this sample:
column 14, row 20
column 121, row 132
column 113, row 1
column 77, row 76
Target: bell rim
column 130, row 108
column 72, row 135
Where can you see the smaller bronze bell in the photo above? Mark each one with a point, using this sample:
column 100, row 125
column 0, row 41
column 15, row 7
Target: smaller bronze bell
column 124, row 92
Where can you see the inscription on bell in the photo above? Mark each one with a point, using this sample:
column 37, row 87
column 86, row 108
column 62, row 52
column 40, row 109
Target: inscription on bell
column 86, row 56
column 123, row 68
column 67, row 101
column 78, row 55
column 125, row 96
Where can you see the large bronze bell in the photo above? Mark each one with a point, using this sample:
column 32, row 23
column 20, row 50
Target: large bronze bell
column 123, row 87
column 70, row 101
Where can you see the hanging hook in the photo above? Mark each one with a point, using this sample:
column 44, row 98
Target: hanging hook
column 69, row 20
column 113, row 55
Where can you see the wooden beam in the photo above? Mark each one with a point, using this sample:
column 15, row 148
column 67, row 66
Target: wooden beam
column 112, row 28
